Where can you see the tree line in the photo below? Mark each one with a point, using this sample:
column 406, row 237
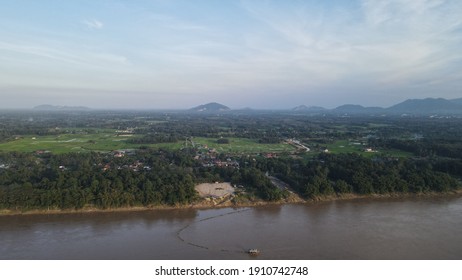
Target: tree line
column 159, row 177
column 329, row 174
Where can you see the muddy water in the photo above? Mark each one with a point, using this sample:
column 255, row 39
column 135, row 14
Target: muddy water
column 423, row 228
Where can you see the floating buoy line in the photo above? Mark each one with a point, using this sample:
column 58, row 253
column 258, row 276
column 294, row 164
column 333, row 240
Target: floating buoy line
column 252, row 252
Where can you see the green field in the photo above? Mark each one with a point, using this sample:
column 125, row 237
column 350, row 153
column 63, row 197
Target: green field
column 244, row 145
column 65, row 143
column 109, row 141
column 345, row 146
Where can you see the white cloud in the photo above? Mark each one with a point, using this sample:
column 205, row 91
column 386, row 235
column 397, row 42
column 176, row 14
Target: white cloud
column 93, row 23
column 66, row 55
column 394, row 41
column 330, row 47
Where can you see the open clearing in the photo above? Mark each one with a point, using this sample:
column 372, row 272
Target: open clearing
column 345, row 146
column 243, row 145
column 214, row 190
column 64, row 143
column 108, row 141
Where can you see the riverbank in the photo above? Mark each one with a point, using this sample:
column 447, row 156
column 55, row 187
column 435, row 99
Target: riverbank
column 204, row 204
column 210, row 204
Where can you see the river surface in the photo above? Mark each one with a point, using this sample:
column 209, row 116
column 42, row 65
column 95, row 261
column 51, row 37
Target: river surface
column 417, row 228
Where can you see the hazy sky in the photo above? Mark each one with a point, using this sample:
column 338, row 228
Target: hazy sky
column 250, row 53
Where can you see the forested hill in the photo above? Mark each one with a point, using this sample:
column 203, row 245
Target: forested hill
column 427, row 106
column 210, row 108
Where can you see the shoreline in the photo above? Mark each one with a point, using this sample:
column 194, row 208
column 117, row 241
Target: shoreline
column 206, row 204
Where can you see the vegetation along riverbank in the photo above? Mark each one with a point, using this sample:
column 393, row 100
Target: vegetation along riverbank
column 96, row 161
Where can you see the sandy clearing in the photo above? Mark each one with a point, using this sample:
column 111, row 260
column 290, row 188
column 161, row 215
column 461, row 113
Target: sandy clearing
column 214, row 189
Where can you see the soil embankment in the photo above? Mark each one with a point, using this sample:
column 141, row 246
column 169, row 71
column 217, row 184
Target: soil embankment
column 237, row 201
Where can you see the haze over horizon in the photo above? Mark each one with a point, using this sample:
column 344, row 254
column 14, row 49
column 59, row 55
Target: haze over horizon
column 260, row 54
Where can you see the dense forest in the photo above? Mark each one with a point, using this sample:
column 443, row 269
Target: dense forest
column 73, row 181
column 147, row 178
column 427, row 158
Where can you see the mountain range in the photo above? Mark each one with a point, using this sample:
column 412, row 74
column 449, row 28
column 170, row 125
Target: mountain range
column 427, row 106
column 47, row 107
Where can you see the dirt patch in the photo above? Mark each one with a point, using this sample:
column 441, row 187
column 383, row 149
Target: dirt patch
column 215, row 190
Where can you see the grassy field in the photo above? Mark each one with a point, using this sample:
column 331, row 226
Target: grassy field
column 345, row 146
column 109, row 141
column 243, row 145
column 65, row 143
column 236, row 145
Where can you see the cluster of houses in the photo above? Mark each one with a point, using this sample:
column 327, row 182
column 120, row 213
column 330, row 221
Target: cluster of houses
column 125, row 132
column 129, row 130
column 122, row 153
column 209, row 158
column 42, row 152
column 136, row 166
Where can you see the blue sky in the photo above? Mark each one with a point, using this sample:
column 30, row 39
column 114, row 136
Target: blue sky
column 250, row 53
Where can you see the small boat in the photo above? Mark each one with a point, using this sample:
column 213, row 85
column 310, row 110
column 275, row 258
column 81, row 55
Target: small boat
column 253, row 252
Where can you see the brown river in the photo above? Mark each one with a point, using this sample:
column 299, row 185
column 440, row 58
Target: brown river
column 411, row 228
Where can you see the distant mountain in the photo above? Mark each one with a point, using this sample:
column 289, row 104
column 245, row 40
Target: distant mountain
column 304, row 108
column 427, row 106
column 457, row 100
column 348, row 108
column 47, row 107
column 210, row 107
column 357, row 109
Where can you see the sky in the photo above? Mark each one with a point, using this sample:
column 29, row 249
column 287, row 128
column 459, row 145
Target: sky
column 176, row 54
